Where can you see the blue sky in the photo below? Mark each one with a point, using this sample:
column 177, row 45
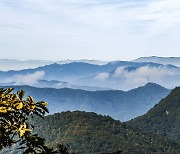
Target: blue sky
column 89, row 29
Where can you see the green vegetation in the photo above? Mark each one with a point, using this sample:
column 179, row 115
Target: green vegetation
column 164, row 118
column 14, row 122
column 88, row 133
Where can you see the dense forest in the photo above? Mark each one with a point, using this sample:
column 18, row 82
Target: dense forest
column 87, row 132
column 158, row 131
column 164, row 118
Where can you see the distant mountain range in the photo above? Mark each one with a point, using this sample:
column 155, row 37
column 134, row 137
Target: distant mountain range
column 131, row 75
column 61, row 84
column 161, row 60
column 163, row 118
column 118, row 104
column 57, row 85
column 13, row 64
column 121, row 75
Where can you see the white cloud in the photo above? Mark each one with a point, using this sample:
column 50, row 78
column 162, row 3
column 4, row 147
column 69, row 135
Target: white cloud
column 102, row 76
column 145, row 74
column 119, row 72
column 29, row 79
column 149, row 74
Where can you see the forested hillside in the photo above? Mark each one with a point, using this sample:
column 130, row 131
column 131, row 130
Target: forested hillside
column 164, row 118
column 115, row 103
column 91, row 133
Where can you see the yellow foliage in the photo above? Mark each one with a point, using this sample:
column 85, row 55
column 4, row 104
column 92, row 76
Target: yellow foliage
column 33, row 106
column 44, row 103
column 16, row 109
column 9, row 109
column 22, row 129
column 19, row 106
column 3, row 109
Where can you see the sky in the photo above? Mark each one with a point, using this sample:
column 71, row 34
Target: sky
column 89, row 29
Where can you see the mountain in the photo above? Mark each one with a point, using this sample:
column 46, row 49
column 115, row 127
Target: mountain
column 13, row 64
column 163, row 118
column 91, row 133
column 56, row 84
column 94, row 62
column 120, row 75
column 118, row 104
column 126, row 76
column 61, row 84
column 74, row 69
column 63, row 72
column 161, row 60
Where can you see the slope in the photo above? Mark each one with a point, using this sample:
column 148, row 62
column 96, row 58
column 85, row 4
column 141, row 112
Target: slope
column 88, row 133
column 163, row 118
column 118, row 104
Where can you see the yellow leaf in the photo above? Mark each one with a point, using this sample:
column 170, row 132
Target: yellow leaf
column 22, row 129
column 4, row 102
column 20, row 106
column 9, row 109
column 44, row 103
column 33, row 106
column 3, row 110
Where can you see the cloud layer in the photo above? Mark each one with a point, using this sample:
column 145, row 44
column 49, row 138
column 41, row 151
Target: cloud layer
column 29, row 79
column 124, row 79
column 145, row 74
column 102, row 76
column 93, row 29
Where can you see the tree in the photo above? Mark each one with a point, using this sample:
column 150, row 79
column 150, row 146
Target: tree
column 15, row 127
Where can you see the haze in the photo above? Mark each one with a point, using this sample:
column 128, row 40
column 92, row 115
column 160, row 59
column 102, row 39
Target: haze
column 89, row 29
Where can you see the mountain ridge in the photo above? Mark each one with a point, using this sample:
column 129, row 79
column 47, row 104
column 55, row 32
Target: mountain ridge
column 122, row 105
column 163, row 118
column 114, row 75
column 162, row 60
